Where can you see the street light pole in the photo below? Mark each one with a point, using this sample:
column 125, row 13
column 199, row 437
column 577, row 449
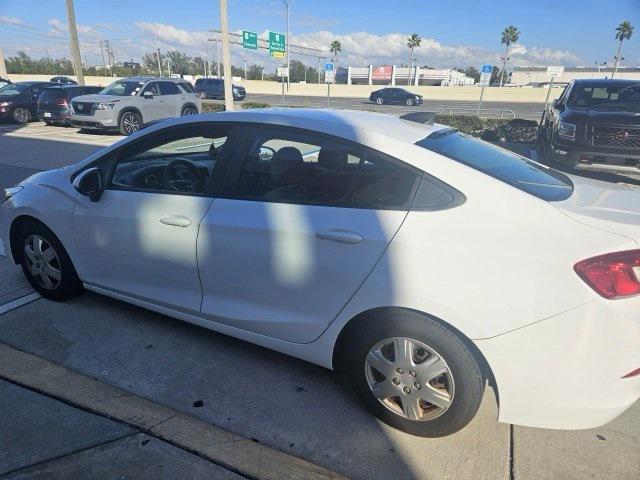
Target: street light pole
column 226, row 56
column 75, row 47
column 286, row 4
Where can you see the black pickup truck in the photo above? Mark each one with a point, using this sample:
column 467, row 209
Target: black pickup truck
column 594, row 125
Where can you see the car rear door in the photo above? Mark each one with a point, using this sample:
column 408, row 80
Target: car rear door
column 302, row 220
column 152, row 108
column 172, row 98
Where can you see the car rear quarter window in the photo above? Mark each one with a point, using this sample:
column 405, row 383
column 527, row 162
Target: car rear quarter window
column 510, row 168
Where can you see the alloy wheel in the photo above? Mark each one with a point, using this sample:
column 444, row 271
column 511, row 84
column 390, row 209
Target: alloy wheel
column 42, row 262
column 189, row 111
column 131, row 123
column 22, row 115
column 409, row 378
column 409, row 102
column 379, row 101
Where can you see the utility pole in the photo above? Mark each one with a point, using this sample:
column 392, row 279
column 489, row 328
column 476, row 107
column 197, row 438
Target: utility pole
column 286, row 4
column 159, row 64
column 104, row 65
column 226, row 56
column 107, row 47
column 75, row 47
column 3, row 67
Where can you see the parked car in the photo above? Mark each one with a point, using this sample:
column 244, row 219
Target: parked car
column 213, row 88
column 4, row 82
column 64, row 80
column 53, row 103
column 128, row 104
column 395, row 95
column 19, row 101
column 594, row 125
column 417, row 260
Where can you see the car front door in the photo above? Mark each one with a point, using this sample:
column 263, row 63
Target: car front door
column 139, row 239
column 152, row 107
column 302, row 220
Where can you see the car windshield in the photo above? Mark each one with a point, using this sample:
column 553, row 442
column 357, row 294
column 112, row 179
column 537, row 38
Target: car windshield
column 531, row 177
column 618, row 97
column 13, row 89
column 123, row 88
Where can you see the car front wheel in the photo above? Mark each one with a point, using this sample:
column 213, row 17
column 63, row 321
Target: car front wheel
column 414, row 374
column 409, row 102
column 130, row 123
column 379, row 100
column 46, row 263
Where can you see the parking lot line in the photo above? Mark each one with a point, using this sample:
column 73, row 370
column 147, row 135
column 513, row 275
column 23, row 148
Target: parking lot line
column 18, row 302
column 231, row 451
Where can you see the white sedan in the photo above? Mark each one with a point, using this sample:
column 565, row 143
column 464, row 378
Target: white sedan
column 419, row 261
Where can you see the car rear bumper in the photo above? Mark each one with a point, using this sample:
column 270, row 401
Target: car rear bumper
column 566, row 372
column 53, row 116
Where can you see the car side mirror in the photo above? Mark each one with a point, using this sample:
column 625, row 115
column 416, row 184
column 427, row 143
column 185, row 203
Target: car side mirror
column 90, row 183
column 148, row 94
column 558, row 104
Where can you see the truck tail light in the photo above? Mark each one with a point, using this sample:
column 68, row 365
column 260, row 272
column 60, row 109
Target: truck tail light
column 613, row 275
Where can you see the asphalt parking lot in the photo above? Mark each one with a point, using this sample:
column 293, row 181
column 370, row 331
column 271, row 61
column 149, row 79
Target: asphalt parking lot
column 265, row 397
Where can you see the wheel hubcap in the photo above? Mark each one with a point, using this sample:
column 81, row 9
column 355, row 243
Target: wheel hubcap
column 131, row 124
column 409, row 378
column 42, row 262
column 22, row 115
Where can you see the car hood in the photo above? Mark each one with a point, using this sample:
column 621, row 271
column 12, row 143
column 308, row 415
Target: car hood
column 96, row 97
column 614, row 207
column 601, row 116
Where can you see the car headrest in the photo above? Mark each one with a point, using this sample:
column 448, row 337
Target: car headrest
column 286, row 159
column 332, row 159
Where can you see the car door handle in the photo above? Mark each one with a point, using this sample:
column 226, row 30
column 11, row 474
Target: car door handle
column 176, row 221
column 337, row 235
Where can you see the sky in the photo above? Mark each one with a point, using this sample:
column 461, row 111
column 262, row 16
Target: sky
column 455, row 33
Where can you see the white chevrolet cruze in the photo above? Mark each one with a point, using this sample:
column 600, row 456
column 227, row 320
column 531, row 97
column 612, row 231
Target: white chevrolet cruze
column 417, row 260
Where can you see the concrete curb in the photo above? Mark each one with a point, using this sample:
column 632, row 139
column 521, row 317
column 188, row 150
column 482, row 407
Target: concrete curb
column 221, row 447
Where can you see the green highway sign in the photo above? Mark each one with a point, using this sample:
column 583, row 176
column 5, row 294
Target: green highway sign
column 250, row 40
column 277, row 45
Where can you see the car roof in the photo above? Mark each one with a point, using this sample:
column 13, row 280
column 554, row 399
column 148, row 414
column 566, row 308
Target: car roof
column 34, row 82
column 610, row 82
column 325, row 120
column 142, row 78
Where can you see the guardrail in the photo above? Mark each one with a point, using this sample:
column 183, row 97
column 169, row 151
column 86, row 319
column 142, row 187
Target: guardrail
column 472, row 109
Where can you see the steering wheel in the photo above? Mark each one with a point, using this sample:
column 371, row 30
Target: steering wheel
column 180, row 175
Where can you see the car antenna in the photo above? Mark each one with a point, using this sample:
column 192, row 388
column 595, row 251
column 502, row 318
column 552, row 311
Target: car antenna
column 426, row 118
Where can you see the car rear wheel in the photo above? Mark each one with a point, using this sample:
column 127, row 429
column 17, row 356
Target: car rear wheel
column 379, row 100
column 46, row 263
column 22, row 115
column 189, row 111
column 130, row 122
column 414, row 374
column 409, row 102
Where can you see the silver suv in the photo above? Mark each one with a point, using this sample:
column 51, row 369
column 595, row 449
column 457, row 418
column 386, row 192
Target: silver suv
column 128, row 104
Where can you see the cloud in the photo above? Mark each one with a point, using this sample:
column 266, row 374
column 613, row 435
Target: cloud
column 14, row 20
column 60, row 29
column 173, row 35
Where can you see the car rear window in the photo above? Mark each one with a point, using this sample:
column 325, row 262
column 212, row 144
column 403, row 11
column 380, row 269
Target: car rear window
column 53, row 94
column 509, row 167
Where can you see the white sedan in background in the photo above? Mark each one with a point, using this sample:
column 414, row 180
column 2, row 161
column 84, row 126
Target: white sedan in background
column 417, row 260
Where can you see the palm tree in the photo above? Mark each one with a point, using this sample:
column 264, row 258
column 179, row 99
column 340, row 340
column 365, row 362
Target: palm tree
column 413, row 42
column 510, row 35
column 335, row 48
column 623, row 32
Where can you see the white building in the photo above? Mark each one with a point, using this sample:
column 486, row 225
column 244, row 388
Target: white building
column 535, row 75
column 394, row 75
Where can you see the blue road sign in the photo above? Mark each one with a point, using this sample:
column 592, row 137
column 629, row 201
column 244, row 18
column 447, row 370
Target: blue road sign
column 328, row 67
column 486, row 69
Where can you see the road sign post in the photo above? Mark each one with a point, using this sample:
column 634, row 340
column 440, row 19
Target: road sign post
column 249, row 40
column 485, row 80
column 282, row 72
column 553, row 73
column 329, row 78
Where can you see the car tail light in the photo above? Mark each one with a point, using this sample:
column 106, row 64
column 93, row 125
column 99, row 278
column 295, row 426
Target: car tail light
column 613, row 275
column 62, row 103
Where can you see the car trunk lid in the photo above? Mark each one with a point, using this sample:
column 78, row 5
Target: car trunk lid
column 613, row 207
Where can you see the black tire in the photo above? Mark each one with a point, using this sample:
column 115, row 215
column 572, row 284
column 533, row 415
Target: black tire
column 69, row 285
column 464, row 367
column 22, row 115
column 380, row 101
column 409, row 102
column 189, row 110
column 130, row 122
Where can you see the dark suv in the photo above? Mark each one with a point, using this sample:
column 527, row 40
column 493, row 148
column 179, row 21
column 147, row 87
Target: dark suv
column 594, row 125
column 53, row 103
column 214, row 88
